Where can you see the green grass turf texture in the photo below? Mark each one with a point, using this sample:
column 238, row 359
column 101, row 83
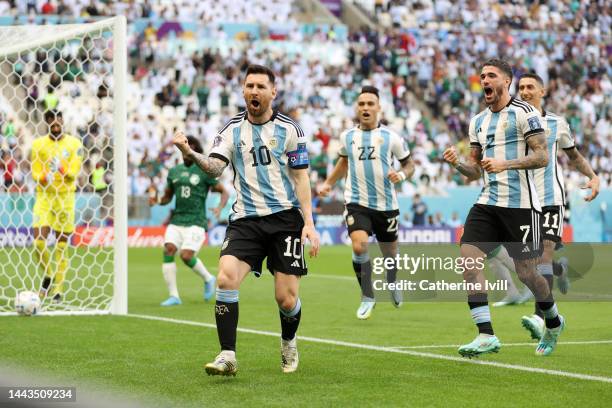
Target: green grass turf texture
column 162, row 363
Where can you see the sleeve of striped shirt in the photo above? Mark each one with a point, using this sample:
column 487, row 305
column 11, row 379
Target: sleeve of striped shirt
column 296, row 150
column 223, row 147
column 529, row 123
column 399, row 147
column 566, row 141
column 343, row 152
column 473, row 134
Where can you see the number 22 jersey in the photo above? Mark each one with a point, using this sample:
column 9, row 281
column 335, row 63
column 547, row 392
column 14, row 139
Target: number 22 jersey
column 370, row 158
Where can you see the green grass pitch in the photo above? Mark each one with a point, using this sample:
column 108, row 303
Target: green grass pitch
column 161, row 362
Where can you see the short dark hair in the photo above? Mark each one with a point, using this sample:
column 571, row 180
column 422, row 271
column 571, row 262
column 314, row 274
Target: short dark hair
column 260, row 69
column 533, row 75
column 195, row 144
column 51, row 114
column 500, row 64
column 370, row 89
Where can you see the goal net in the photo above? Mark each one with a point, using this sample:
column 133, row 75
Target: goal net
column 79, row 70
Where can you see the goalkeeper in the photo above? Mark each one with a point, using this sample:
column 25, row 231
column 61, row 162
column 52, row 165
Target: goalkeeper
column 56, row 162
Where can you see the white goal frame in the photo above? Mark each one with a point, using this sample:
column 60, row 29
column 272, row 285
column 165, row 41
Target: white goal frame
column 118, row 27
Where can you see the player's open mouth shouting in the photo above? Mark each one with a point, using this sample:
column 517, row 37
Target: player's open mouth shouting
column 488, row 91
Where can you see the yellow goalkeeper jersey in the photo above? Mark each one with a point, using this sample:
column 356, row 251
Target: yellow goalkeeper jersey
column 56, row 163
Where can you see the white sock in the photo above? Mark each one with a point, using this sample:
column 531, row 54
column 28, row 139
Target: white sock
column 505, row 259
column 201, row 270
column 502, row 272
column 169, row 271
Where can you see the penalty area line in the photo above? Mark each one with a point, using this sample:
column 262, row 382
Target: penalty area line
column 341, row 343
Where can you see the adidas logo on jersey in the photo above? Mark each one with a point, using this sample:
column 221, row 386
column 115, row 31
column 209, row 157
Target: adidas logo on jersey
column 295, row 264
column 525, row 249
column 550, row 232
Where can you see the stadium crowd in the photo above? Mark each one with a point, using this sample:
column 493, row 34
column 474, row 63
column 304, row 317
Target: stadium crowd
column 428, row 74
column 563, row 15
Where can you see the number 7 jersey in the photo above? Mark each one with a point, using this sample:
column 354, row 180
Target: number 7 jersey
column 261, row 155
column 370, row 158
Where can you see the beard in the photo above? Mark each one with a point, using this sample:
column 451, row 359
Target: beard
column 497, row 94
column 258, row 110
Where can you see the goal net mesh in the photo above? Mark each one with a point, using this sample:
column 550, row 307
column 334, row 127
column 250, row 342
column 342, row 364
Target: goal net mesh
column 72, row 72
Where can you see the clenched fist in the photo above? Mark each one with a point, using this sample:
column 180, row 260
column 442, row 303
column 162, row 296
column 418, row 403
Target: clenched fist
column 325, row 189
column 492, row 165
column 180, row 141
column 396, row 176
column 450, row 156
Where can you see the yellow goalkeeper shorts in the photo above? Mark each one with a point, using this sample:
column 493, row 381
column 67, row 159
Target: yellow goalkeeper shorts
column 55, row 210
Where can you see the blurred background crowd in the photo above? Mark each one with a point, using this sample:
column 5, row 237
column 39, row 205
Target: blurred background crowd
column 187, row 57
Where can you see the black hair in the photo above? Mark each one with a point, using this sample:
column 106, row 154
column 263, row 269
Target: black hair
column 195, row 144
column 52, row 114
column 370, row 89
column 500, row 64
column 260, row 69
column 533, row 76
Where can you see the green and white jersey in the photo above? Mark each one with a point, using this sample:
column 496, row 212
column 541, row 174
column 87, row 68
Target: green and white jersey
column 190, row 185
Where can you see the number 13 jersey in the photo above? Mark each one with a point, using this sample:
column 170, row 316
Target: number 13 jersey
column 190, row 185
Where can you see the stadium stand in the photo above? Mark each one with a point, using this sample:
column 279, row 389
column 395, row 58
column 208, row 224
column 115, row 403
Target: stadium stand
column 427, row 71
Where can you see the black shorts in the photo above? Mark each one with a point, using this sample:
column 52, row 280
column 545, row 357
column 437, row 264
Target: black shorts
column 275, row 236
column 518, row 229
column 383, row 224
column 552, row 223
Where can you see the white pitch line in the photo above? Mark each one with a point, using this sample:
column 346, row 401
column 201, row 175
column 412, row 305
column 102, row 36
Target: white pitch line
column 392, row 350
column 586, row 342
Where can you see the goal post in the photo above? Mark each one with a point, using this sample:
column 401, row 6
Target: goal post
column 81, row 71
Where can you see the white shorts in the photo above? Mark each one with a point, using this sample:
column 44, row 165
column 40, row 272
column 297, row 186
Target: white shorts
column 189, row 238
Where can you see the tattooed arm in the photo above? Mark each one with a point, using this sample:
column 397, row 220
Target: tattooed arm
column 578, row 161
column 471, row 170
column 211, row 165
column 583, row 166
column 535, row 159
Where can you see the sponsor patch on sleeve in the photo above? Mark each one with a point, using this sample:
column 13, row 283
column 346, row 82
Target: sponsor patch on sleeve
column 534, row 123
column 299, row 157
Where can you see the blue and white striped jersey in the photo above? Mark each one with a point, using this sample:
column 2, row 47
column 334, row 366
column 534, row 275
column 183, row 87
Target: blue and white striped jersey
column 549, row 180
column 503, row 135
column 261, row 156
column 370, row 157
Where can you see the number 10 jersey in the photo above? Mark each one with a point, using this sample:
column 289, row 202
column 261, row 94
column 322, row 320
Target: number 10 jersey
column 261, row 155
